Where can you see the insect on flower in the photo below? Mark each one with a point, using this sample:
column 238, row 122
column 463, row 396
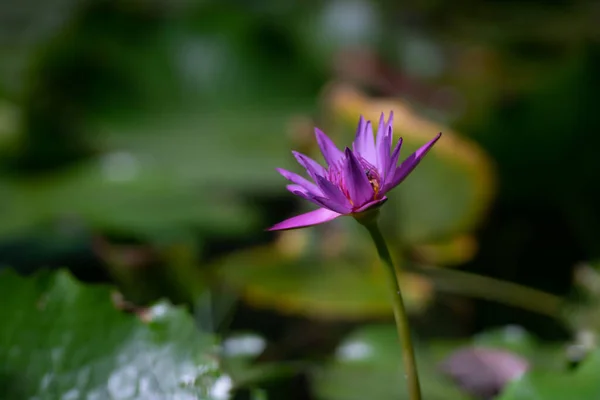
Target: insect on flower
column 355, row 180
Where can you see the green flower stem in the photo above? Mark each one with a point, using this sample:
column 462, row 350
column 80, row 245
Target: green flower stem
column 402, row 326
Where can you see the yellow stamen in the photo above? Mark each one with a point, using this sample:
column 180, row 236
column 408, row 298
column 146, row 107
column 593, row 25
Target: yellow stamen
column 373, row 181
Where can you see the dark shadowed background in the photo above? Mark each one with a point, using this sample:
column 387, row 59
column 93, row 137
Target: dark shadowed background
column 138, row 147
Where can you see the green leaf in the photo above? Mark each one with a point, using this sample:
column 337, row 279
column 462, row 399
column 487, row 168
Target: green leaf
column 582, row 384
column 240, row 352
column 150, row 201
column 183, row 142
column 214, row 150
column 513, row 339
column 61, row 339
column 182, row 170
column 148, row 181
column 455, row 251
column 367, row 365
column 24, row 29
column 324, row 272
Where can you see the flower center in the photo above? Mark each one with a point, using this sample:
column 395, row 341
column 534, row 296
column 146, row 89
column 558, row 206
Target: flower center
column 373, row 180
column 336, row 176
column 372, row 174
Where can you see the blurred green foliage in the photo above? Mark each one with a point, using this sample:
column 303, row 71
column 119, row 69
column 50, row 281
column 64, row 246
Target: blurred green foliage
column 138, row 141
column 580, row 384
column 367, row 364
column 368, row 359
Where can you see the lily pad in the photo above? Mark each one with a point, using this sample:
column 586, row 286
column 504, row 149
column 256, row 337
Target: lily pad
column 581, row 384
column 146, row 203
column 322, row 274
column 451, row 190
column 208, row 150
column 491, row 360
column 368, row 365
column 239, row 354
column 455, row 251
column 510, row 338
column 61, row 339
column 203, row 124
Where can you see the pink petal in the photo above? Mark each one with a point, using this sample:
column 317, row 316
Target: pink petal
column 299, row 180
column 389, row 138
column 357, row 183
column 297, row 188
column 312, row 167
column 332, row 192
column 483, row 372
column 321, row 201
column 315, row 217
column 360, row 131
column 332, row 205
column 379, row 139
column 371, row 204
column 331, row 153
column 364, row 144
column 389, row 175
column 410, row 163
column 384, row 146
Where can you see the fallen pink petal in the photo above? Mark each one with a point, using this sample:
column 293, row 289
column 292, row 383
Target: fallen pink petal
column 484, row 372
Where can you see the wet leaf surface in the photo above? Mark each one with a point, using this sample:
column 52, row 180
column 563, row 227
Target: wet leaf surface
column 61, row 339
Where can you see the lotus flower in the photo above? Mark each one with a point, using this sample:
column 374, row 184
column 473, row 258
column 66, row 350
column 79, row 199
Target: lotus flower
column 355, row 180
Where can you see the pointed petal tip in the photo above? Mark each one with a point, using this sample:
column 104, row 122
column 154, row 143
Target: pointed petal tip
column 348, row 152
column 318, row 216
column 393, row 161
column 312, row 167
column 434, row 140
column 427, row 146
column 329, row 150
column 361, row 125
column 390, row 120
column 411, row 162
column 299, row 180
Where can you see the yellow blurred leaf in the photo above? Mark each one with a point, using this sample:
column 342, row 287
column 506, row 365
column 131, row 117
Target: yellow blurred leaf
column 457, row 250
column 314, row 285
column 451, row 190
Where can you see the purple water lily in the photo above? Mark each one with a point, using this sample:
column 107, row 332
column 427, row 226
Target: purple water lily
column 355, row 180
